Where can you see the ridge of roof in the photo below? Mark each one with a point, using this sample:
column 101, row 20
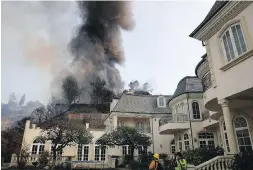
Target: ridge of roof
column 217, row 6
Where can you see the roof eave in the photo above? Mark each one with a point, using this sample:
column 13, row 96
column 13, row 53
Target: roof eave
column 204, row 22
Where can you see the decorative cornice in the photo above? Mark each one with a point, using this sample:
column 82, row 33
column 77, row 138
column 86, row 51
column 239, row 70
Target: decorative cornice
column 231, row 10
column 237, row 60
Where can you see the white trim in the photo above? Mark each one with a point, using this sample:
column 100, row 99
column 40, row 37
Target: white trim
column 164, row 101
column 82, row 152
column 99, row 154
column 229, row 29
column 242, row 128
column 206, row 140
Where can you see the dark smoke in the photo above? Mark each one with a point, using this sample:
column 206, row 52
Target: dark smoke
column 97, row 46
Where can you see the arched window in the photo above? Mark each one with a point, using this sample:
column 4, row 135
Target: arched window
column 225, row 136
column 186, row 142
column 233, row 42
column 195, row 110
column 180, row 145
column 83, row 152
column 206, row 139
column 173, row 147
column 38, row 146
column 242, row 134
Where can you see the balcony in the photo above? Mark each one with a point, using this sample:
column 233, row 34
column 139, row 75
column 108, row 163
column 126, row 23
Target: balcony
column 174, row 123
column 207, row 121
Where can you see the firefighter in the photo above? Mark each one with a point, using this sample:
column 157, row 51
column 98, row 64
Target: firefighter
column 155, row 165
column 181, row 163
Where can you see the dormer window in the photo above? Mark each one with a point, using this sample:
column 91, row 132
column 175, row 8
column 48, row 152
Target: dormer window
column 161, row 101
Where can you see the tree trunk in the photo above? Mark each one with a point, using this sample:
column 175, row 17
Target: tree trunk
column 132, row 152
column 54, row 159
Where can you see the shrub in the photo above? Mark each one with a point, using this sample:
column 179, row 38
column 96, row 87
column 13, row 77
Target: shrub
column 43, row 159
column 243, row 161
column 201, row 155
column 163, row 156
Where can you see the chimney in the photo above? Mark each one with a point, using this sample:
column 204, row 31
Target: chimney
column 87, row 125
column 27, row 124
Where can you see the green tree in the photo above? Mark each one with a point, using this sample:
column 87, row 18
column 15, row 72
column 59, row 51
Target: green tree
column 62, row 133
column 100, row 93
column 125, row 136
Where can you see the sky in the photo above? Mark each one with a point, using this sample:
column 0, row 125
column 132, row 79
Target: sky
column 158, row 51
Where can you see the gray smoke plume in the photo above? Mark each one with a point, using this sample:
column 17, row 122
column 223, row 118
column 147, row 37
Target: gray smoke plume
column 44, row 31
column 97, row 45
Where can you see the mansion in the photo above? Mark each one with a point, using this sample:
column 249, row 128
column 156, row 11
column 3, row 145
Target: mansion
column 212, row 108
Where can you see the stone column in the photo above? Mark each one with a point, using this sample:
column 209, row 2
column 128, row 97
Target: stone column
column 229, row 125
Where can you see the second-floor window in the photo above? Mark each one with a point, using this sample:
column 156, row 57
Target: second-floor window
column 143, row 126
column 233, row 42
column 195, row 110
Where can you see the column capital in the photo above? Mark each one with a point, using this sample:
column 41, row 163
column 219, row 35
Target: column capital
column 224, row 102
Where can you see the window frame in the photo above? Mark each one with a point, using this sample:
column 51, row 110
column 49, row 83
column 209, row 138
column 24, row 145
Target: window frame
column 206, row 140
column 242, row 128
column 100, row 148
column 224, row 135
column 173, row 146
column 206, row 87
column 82, row 152
column 162, row 98
column 200, row 117
column 236, row 54
column 186, row 140
column 38, row 144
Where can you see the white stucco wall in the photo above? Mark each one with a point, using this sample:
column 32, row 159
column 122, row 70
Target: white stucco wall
column 227, row 81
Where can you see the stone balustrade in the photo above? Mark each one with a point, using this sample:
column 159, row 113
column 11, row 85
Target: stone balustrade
column 217, row 163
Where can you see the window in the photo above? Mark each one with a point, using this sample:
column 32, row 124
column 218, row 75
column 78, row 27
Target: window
column 83, row 152
column 206, row 139
column 112, row 146
column 233, row 42
column 186, row 142
column 173, row 147
column 242, row 134
column 161, row 101
column 100, row 153
column 195, row 110
column 38, row 146
column 143, row 127
column 207, row 81
column 126, row 150
column 225, row 137
column 58, row 153
column 180, row 143
column 142, row 150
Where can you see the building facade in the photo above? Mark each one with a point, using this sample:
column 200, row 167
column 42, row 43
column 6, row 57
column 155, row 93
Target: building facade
column 140, row 111
column 225, row 72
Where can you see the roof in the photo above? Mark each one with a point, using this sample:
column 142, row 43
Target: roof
column 217, row 6
column 201, row 61
column 132, row 103
column 188, row 84
column 95, row 120
column 89, row 108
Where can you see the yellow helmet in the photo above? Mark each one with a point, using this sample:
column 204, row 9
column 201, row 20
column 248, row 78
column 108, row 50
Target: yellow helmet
column 156, row 156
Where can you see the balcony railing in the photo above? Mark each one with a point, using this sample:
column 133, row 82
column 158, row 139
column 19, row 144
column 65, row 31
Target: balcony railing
column 174, row 118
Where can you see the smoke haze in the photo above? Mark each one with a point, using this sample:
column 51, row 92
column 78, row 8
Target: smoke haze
column 49, row 36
